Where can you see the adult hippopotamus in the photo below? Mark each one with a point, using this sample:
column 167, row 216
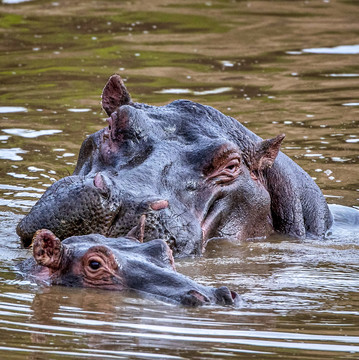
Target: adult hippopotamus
column 183, row 172
column 94, row 261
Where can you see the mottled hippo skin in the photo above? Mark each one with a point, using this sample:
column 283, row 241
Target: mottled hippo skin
column 183, row 172
column 94, row 261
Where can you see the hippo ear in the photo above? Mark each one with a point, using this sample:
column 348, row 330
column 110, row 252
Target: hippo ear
column 265, row 152
column 114, row 94
column 47, row 249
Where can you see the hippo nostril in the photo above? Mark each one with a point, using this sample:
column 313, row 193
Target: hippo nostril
column 159, row 205
column 194, row 298
column 99, row 182
column 106, row 134
column 109, row 120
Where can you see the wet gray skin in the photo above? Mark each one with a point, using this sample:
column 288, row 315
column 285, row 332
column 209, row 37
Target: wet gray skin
column 94, row 261
column 182, row 172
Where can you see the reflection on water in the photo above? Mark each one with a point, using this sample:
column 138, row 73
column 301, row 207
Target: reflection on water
column 277, row 67
column 343, row 50
column 12, row 154
column 78, row 110
column 351, row 104
column 27, row 133
column 14, row 1
column 11, row 109
column 342, row 75
column 188, row 91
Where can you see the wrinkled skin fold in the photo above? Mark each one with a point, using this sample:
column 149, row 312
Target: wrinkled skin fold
column 183, row 172
column 94, row 261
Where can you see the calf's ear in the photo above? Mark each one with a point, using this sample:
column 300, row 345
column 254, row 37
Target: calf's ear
column 114, row 94
column 265, row 152
column 47, row 249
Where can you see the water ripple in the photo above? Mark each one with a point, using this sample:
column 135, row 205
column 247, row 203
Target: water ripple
column 11, row 109
column 12, row 154
column 30, row 134
column 342, row 50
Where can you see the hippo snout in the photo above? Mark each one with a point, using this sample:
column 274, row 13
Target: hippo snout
column 222, row 296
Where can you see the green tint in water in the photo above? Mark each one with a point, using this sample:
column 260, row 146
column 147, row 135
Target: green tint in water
column 245, row 58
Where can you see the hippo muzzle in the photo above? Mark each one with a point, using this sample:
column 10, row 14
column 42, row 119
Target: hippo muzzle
column 73, row 205
column 78, row 205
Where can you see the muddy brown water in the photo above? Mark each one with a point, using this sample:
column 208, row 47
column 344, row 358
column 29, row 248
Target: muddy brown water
column 277, row 66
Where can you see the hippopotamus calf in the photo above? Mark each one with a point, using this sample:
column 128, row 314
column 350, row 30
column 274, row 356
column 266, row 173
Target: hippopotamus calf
column 94, row 261
column 184, row 173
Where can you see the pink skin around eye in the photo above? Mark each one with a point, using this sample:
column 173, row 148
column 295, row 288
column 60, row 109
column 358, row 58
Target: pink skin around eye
column 227, row 172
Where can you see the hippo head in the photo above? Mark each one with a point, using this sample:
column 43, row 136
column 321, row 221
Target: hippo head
column 94, row 261
column 183, row 172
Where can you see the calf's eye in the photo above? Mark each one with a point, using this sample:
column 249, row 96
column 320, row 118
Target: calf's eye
column 94, row 265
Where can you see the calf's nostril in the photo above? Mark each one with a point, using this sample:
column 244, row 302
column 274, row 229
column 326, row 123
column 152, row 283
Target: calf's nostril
column 194, row 298
column 159, row 205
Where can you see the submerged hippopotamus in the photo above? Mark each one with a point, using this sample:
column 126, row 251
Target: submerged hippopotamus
column 183, row 172
column 95, row 261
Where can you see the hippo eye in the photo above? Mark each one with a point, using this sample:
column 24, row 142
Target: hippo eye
column 94, row 265
column 227, row 170
column 233, row 165
column 99, row 267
